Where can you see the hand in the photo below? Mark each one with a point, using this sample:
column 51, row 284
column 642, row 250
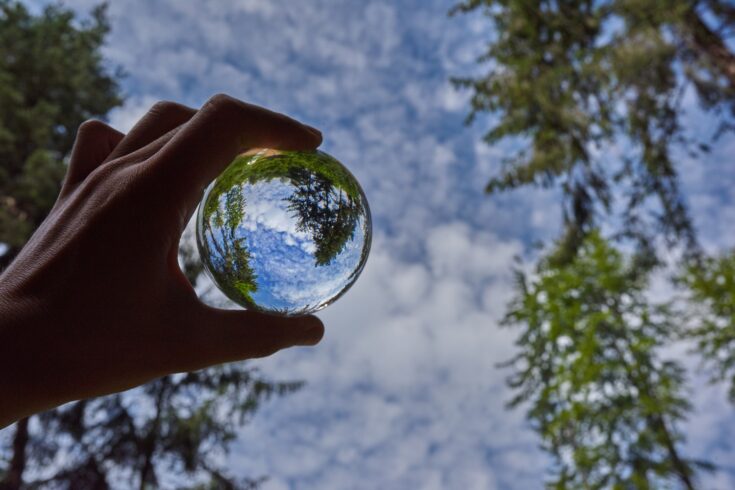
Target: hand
column 96, row 302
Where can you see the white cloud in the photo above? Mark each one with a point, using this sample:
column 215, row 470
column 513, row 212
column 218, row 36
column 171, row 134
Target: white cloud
column 405, row 379
column 403, row 392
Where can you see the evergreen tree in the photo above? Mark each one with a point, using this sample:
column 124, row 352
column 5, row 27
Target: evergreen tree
column 574, row 79
column 592, row 94
column 228, row 252
column 711, row 284
column 604, row 402
column 168, row 433
column 52, row 78
column 325, row 211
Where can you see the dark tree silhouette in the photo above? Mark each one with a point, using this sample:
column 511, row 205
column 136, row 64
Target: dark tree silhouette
column 325, row 211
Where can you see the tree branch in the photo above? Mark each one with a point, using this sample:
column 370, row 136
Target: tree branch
column 706, row 43
column 14, row 477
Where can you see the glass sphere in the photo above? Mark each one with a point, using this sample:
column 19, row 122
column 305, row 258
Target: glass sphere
column 284, row 232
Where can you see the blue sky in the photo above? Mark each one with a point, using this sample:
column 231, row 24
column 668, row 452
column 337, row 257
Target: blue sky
column 283, row 254
column 403, row 392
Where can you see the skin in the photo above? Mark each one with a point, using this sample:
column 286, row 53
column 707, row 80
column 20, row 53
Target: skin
column 96, row 303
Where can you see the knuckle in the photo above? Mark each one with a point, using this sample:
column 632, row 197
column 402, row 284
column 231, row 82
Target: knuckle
column 164, row 106
column 100, row 176
column 220, row 99
column 222, row 103
column 91, row 126
column 171, row 109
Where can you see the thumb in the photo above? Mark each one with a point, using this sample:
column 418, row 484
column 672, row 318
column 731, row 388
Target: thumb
column 95, row 141
column 231, row 335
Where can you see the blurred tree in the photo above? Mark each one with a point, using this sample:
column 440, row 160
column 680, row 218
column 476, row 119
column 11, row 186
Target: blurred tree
column 595, row 91
column 592, row 94
column 711, row 284
column 53, row 77
column 604, row 402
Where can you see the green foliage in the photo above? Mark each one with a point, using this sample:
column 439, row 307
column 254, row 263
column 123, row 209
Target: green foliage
column 229, row 256
column 591, row 92
column 326, row 203
column 576, row 79
column 604, row 402
column 52, row 78
column 259, row 167
column 323, row 210
column 712, row 287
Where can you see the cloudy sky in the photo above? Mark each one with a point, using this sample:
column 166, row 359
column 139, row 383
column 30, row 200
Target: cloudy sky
column 403, row 393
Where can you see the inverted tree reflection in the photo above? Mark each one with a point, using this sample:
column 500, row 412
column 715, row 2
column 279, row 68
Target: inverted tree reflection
column 322, row 200
column 231, row 260
column 324, row 211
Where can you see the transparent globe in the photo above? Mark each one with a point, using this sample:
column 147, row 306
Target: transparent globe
column 284, row 232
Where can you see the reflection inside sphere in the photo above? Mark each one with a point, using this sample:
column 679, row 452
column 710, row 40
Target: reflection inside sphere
column 284, row 231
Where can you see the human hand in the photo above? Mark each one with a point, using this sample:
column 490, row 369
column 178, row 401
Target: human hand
column 96, row 303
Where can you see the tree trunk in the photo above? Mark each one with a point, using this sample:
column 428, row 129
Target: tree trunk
column 681, row 467
column 706, row 43
column 14, row 478
column 642, row 383
column 148, row 470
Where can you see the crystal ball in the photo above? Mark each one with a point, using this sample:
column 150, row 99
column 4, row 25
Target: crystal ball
column 284, row 232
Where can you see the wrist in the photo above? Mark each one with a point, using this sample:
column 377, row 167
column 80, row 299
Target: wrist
column 21, row 320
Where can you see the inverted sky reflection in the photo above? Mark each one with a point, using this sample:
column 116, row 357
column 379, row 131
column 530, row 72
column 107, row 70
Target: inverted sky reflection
column 269, row 239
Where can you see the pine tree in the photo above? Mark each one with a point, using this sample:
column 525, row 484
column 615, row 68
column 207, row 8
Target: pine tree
column 711, row 286
column 52, row 78
column 592, row 95
column 577, row 81
column 604, row 401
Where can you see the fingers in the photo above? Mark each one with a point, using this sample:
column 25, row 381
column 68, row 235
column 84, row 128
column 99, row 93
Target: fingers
column 220, row 130
column 232, row 335
column 95, row 140
column 162, row 118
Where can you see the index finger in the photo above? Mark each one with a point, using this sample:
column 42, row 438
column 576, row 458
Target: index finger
column 218, row 132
